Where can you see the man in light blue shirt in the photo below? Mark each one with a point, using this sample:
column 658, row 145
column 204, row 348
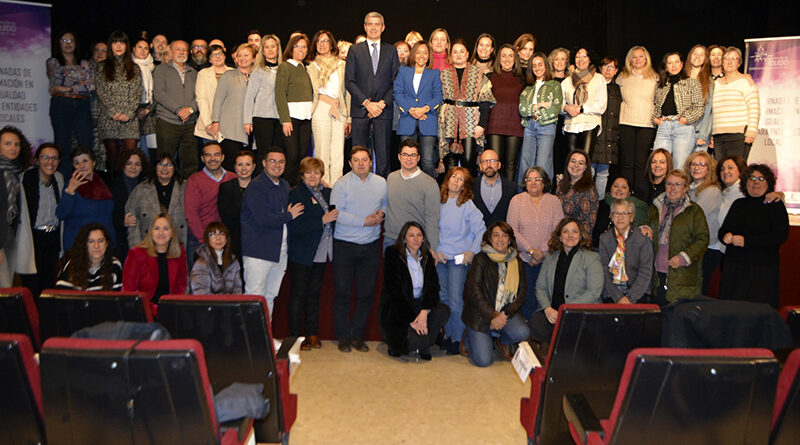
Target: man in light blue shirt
column 360, row 198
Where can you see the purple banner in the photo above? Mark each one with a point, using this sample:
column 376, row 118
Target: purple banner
column 24, row 48
column 774, row 65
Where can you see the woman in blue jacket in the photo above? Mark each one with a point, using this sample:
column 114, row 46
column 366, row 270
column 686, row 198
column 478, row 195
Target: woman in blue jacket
column 418, row 94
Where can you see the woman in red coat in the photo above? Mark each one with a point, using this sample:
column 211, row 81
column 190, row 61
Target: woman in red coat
column 157, row 265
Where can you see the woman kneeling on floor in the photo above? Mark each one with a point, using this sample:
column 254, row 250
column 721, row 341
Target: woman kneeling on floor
column 411, row 314
column 493, row 295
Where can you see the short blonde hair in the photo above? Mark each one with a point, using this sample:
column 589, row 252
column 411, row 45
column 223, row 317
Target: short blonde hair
column 174, row 247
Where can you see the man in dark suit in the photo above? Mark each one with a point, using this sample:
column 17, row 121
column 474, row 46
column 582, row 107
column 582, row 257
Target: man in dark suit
column 492, row 192
column 369, row 76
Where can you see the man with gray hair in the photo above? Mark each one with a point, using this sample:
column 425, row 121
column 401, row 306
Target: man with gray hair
column 369, row 78
column 176, row 108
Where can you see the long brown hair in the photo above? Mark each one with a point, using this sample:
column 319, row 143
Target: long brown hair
column 227, row 252
column 77, row 261
column 466, row 192
column 109, row 66
column 704, row 76
column 584, row 183
column 554, row 244
column 287, row 52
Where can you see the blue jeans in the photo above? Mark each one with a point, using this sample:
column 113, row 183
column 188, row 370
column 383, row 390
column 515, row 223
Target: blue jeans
column 427, row 151
column 452, row 277
column 480, row 344
column 677, row 139
column 537, row 148
column 600, row 178
column 530, row 305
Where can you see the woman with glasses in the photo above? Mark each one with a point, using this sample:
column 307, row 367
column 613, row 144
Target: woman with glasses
column 753, row 232
column 736, row 108
column 679, row 232
column 162, row 192
column 627, row 257
column 216, row 269
column 204, row 90
column 705, row 191
column 620, row 189
column 533, row 214
column 294, row 96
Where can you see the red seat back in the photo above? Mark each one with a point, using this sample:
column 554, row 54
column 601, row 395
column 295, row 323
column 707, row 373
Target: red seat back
column 786, row 415
column 21, row 396
column 18, row 314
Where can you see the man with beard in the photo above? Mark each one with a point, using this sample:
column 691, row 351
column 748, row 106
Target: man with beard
column 199, row 50
column 159, row 49
column 492, row 192
column 176, row 108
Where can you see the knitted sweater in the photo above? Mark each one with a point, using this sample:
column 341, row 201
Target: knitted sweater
column 291, row 85
column 735, row 107
column 637, row 100
column 415, row 199
column 200, row 201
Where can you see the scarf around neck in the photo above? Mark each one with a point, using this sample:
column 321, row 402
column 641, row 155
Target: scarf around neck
column 327, row 66
column 508, row 275
column 147, row 66
column 580, row 80
column 11, row 170
column 94, row 190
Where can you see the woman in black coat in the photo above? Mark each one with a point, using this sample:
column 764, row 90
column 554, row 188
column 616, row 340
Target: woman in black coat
column 229, row 200
column 410, row 312
column 131, row 165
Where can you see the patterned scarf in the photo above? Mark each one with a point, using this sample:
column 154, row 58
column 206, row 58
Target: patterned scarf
column 327, row 66
column 508, row 275
column 11, row 170
column 617, row 264
column 580, row 80
column 668, row 213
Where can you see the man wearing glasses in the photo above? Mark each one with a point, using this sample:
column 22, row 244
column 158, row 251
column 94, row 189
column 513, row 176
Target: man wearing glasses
column 412, row 196
column 265, row 214
column 492, row 192
column 199, row 50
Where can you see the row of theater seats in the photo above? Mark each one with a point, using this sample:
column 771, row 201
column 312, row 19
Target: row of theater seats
column 604, row 362
column 133, row 392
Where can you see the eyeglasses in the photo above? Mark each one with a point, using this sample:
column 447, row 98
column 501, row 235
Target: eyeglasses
column 409, row 155
column 323, row 41
column 490, row 161
column 166, row 165
column 217, row 235
column 276, row 161
column 698, row 164
column 610, row 66
column 67, row 40
column 618, row 214
column 674, row 184
column 48, row 158
column 198, row 47
column 757, row 178
column 217, row 54
column 536, row 179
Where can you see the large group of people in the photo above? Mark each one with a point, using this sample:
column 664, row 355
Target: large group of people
column 525, row 181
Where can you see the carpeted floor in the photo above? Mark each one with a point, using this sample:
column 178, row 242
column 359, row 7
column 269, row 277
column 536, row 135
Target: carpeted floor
column 371, row 398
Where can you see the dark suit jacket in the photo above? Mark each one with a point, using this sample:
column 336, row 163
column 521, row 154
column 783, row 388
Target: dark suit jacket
column 363, row 84
column 429, row 93
column 509, row 189
column 306, row 230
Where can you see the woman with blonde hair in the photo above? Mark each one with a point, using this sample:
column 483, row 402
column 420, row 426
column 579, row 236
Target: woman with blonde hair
column 157, row 265
column 637, row 83
column 260, row 112
column 706, row 192
column 413, row 37
column 439, row 43
column 330, row 110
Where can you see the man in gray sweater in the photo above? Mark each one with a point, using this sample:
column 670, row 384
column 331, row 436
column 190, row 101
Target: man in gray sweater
column 176, row 108
column 412, row 196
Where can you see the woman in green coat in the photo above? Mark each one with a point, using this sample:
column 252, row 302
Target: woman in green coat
column 679, row 232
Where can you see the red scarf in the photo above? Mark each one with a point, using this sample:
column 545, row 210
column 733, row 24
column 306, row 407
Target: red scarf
column 95, row 190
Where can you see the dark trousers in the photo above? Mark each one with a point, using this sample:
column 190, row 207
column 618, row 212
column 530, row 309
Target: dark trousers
column 635, row 144
column 541, row 329
column 70, row 116
column 437, row 317
column 583, row 141
column 296, row 146
column 731, row 144
column 171, row 138
column 230, row 149
column 306, row 282
column 507, row 148
column 559, row 147
column 711, row 261
column 267, row 134
column 660, row 297
column 357, row 262
column 382, row 135
column 46, row 246
column 468, row 159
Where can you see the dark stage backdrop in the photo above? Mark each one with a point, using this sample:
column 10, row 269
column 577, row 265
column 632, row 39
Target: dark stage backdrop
column 609, row 27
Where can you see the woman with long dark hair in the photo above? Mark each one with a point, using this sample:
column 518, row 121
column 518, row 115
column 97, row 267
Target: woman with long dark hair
column 585, row 99
column 485, row 52
column 119, row 92
column 162, row 192
column 147, row 109
column 504, row 131
column 90, row 264
column 15, row 156
column 294, row 96
column 130, row 172
column 698, row 67
column 215, row 269
column 539, row 105
column 577, row 191
column 71, row 82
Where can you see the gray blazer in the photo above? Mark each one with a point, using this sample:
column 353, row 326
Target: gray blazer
column 638, row 264
column 143, row 204
column 170, row 94
column 584, row 279
column 228, row 107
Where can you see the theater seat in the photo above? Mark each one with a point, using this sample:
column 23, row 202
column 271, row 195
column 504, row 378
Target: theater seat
column 684, row 396
column 127, row 392
column 21, row 419
column 237, row 338
column 587, row 354
column 786, row 416
column 791, row 314
column 18, row 314
column 63, row 312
